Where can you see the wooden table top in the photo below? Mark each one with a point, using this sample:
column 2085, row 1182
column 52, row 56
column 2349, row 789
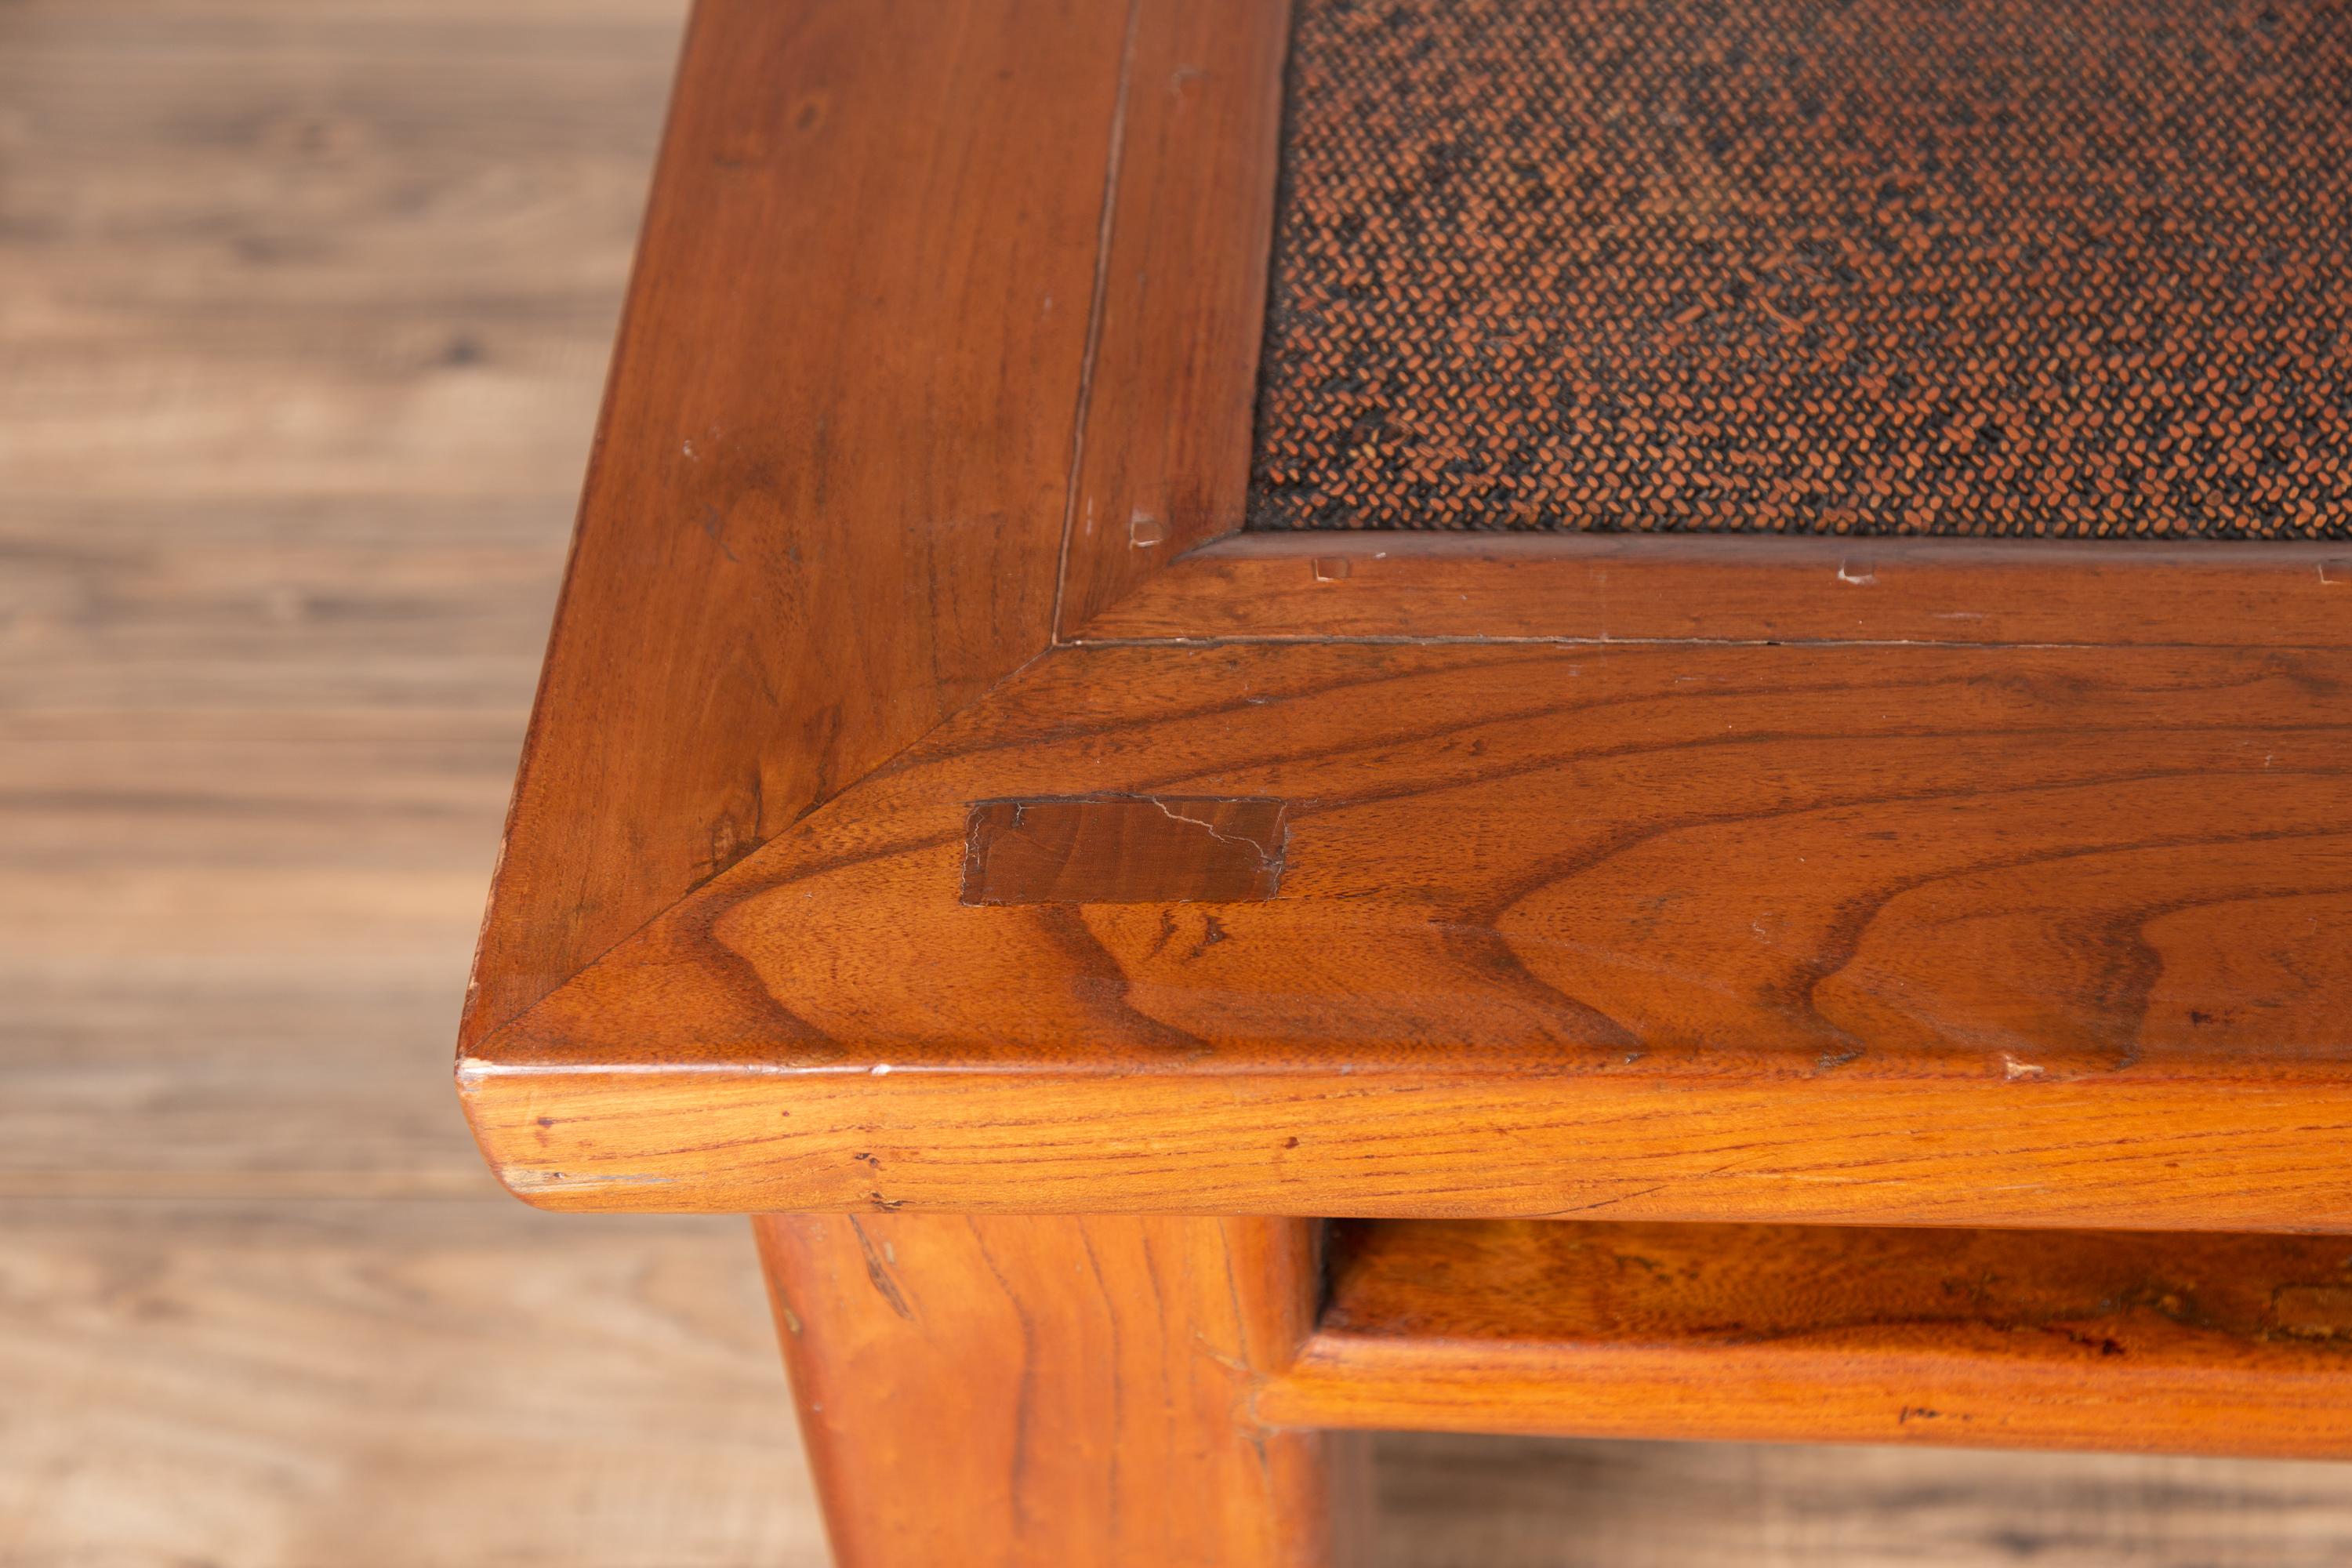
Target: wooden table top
column 934, row 801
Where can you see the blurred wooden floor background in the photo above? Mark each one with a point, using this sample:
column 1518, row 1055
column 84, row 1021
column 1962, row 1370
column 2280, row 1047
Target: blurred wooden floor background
column 303, row 312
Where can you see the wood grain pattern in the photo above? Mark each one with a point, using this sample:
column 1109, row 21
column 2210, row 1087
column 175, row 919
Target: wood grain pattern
column 2072, row 1338
column 1011, row 1392
column 1941, row 935
column 826, row 503
column 1449, row 1499
column 1600, row 588
column 1166, row 456
column 230, row 940
column 285, row 1385
column 307, row 308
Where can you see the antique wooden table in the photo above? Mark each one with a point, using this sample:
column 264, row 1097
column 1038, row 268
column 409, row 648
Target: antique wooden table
column 1698, row 786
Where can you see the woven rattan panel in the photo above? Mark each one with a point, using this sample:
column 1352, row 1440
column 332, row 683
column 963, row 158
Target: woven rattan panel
column 2064, row 268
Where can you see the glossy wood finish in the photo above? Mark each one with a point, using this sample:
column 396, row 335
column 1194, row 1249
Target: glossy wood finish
column 2075, row 1339
column 259, row 746
column 1124, row 849
column 1934, row 936
column 1015, row 1391
column 1633, row 588
column 1924, row 885
column 1173, row 382
column 826, row 500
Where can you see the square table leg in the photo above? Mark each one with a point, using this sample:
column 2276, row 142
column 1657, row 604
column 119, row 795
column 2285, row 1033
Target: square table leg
column 1056, row 1391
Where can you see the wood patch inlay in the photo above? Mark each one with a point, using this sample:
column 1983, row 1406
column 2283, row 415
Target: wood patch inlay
column 1124, row 849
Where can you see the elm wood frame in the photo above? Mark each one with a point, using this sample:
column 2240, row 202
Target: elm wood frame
column 803, row 632
column 1989, row 1339
column 1664, row 879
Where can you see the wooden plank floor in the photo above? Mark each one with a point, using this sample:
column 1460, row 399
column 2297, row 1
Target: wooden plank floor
column 303, row 312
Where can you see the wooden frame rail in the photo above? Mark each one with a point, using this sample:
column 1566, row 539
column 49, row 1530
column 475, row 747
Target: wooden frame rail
column 1600, row 588
column 2004, row 1338
column 1934, row 936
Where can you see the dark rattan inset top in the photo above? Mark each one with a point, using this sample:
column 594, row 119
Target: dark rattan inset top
column 2075, row 267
